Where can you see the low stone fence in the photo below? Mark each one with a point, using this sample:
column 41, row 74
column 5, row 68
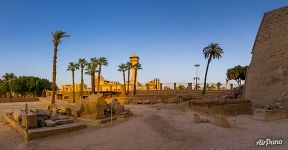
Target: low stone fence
column 20, row 99
column 223, row 107
column 153, row 97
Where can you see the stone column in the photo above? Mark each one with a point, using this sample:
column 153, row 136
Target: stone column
column 161, row 86
column 189, row 86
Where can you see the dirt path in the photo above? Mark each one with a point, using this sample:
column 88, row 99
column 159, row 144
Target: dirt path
column 158, row 127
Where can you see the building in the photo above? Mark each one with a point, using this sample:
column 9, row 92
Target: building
column 106, row 85
column 153, row 85
column 65, row 92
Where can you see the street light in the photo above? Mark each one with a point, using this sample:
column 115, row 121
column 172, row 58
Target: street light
column 196, row 78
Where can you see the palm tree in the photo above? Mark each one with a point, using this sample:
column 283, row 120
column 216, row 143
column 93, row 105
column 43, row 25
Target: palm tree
column 122, row 68
column 136, row 67
column 91, row 70
column 128, row 68
column 72, row 67
column 102, row 61
column 57, row 39
column 212, row 51
column 81, row 62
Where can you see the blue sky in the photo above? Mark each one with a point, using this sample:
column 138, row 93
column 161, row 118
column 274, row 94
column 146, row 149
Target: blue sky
column 168, row 35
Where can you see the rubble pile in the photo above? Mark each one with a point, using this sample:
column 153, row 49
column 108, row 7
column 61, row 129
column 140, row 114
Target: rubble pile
column 39, row 118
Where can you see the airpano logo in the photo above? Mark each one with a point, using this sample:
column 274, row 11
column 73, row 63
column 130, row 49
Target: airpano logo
column 268, row 142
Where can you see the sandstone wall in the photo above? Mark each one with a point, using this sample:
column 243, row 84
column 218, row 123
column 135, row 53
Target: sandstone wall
column 26, row 99
column 267, row 78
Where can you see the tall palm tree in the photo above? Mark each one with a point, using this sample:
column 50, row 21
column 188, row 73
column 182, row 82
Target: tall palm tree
column 128, row 68
column 102, row 61
column 72, row 67
column 81, row 62
column 122, row 68
column 136, row 67
column 91, row 70
column 57, row 39
column 212, row 51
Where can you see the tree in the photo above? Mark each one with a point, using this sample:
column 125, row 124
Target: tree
column 181, row 87
column 82, row 62
column 122, row 68
column 212, row 51
column 218, row 85
column 72, row 67
column 19, row 85
column 2, row 88
column 24, row 85
column 102, row 61
column 136, row 67
column 44, row 84
column 237, row 73
column 7, row 78
column 91, row 69
column 128, row 68
column 57, row 39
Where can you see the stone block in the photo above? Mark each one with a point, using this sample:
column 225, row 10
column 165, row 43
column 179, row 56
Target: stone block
column 221, row 121
column 94, row 107
column 50, row 123
column 17, row 115
column 30, row 120
column 42, row 112
column 269, row 115
column 61, row 122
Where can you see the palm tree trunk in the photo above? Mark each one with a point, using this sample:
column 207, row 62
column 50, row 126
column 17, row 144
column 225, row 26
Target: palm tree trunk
column 93, row 82
column 209, row 60
column 98, row 84
column 54, row 74
column 124, row 81
column 128, row 83
column 82, row 83
column 135, row 77
column 73, row 86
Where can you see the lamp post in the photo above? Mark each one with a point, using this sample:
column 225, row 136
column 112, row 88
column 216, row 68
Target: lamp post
column 196, row 78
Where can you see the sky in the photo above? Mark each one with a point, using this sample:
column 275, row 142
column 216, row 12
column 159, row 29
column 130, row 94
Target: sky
column 167, row 35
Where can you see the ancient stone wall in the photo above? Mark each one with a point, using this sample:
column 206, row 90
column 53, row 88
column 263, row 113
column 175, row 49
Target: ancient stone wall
column 267, row 78
column 26, row 99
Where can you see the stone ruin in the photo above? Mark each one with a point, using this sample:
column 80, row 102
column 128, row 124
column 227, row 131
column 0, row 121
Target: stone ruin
column 36, row 123
column 96, row 107
column 37, row 118
column 267, row 76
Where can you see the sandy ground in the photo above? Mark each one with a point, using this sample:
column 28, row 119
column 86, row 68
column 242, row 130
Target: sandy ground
column 169, row 128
